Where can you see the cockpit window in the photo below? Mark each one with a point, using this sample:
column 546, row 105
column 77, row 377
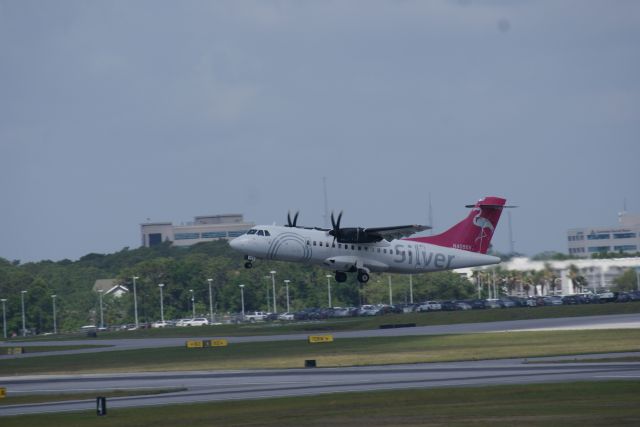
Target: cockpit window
column 266, row 233
column 260, row 233
column 252, row 231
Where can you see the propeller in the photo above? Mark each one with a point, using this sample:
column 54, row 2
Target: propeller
column 295, row 219
column 335, row 224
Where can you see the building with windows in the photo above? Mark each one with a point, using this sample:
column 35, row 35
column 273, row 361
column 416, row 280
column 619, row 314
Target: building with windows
column 623, row 238
column 202, row 229
column 598, row 273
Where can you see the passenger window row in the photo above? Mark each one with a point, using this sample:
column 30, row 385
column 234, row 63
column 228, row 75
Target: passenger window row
column 346, row 247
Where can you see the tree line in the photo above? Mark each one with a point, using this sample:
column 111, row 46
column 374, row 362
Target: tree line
column 183, row 270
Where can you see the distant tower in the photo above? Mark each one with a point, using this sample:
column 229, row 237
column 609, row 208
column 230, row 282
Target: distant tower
column 512, row 244
column 430, row 216
column 326, row 203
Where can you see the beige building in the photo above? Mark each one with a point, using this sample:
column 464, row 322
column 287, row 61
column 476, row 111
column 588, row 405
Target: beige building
column 202, row 229
column 624, row 237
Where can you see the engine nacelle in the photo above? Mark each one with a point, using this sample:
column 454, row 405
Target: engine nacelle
column 354, row 235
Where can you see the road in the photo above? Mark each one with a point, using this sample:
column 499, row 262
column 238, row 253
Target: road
column 218, row 386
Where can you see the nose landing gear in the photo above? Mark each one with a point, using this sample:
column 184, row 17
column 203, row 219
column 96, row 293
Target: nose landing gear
column 249, row 262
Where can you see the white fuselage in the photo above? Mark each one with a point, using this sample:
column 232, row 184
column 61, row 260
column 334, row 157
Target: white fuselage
column 314, row 246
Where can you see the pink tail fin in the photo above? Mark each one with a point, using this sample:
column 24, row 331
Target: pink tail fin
column 473, row 233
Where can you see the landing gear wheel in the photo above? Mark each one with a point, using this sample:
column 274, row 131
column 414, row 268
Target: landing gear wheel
column 363, row 276
column 341, row 276
column 248, row 264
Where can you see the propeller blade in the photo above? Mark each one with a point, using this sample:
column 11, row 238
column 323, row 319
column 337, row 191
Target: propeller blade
column 289, row 219
column 295, row 218
column 339, row 220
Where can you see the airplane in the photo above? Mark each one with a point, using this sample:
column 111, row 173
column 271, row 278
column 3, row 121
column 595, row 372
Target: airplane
column 383, row 249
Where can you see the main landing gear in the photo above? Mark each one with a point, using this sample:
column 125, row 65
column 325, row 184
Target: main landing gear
column 249, row 262
column 363, row 276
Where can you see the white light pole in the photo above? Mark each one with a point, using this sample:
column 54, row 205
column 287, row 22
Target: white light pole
column 24, row 323
column 286, row 282
column 100, row 291
column 390, row 292
column 328, row 276
column 268, row 298
column 273, row 283
column 55, row 324
column 638, row 277
column 193, row 304
column 4, row 317
column 411, row 288
column 161, row 285
column 135, row 301
column 242, row 299
column 210, row 302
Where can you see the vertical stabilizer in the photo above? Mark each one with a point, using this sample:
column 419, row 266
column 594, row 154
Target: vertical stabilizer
column 473, row 233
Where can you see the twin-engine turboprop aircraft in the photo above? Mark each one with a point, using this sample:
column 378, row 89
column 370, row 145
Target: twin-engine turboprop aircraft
column 385, row 249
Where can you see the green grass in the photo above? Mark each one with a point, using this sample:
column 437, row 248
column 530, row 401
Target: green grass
column 612, row 403
column 342, row 352
column 60, row 397
column 362, row 323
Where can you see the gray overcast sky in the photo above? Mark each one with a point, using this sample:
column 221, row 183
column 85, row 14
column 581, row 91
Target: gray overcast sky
column 112, row 112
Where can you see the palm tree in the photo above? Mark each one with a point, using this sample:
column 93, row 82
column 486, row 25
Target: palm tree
column 577, row 280
column 538, row 279
column 550, row 276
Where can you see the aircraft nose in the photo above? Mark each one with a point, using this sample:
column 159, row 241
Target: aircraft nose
column 236, row 243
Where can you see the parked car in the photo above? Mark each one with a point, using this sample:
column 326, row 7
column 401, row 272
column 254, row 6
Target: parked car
column 493, row 303
column 552, row 300
column 368, row 310
column 255, row 316
column 160, row 324
column 570, row 300
column 430, row 306
column 607, row 297
column 448, row 306
column 507, row 303
column 478, row 304
column 462, row 305
column 286, row 316
column 623, row 297
column 410, row 308
column 182, row 322
column 198, row 321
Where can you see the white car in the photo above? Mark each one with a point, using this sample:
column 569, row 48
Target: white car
column 255, row 316
column 286, row 316
column 368, row 310
column 183, row 322
column 198, row 321
column 159, row 324
column 430, row 306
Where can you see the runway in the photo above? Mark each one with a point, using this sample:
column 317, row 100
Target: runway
column 210, row 386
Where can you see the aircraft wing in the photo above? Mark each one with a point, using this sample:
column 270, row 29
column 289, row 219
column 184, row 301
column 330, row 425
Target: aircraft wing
column 396, row 231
